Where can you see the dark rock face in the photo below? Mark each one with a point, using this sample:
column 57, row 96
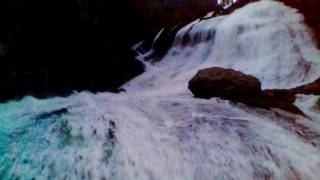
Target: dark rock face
column 225, row 83
column 55, row 47
column 43, row 80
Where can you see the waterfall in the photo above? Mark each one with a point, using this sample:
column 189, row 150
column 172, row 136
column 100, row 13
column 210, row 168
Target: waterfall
column 158, row 130
column 265, row 39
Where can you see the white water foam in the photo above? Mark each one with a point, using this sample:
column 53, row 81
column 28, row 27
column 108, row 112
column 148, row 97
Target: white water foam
column 157, row 130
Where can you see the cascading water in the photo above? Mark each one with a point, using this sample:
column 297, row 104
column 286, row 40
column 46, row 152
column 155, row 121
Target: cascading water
column 157, row 130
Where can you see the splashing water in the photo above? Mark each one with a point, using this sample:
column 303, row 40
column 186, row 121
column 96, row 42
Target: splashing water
column 157, row 130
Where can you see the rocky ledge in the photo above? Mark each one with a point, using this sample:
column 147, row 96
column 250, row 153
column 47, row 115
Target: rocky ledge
column 239, row 87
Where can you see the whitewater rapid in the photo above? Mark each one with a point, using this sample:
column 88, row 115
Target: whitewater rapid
column 157, row 130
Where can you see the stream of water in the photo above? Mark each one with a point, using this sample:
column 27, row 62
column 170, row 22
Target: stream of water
column 157, row 130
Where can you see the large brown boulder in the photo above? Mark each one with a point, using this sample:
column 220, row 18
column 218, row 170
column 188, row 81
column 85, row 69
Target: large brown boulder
column 224, row 83
column 239, row 87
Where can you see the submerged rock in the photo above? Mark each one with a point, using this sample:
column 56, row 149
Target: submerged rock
column 47, row 115
column 318, row 104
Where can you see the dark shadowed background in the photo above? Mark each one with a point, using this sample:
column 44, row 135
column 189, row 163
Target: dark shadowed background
column 51, row 47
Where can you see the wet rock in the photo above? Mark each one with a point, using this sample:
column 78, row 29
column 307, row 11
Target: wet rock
column 224, row 83
column 239, row 87
column 269, row 103
column 112, row 124
column 111, row 134
column 289, row 95
column 280, row 94
column 308, row 89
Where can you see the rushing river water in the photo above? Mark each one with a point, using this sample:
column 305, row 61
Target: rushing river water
column 157, row 130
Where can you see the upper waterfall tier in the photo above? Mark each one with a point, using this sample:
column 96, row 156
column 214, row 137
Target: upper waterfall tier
column 266, row 39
